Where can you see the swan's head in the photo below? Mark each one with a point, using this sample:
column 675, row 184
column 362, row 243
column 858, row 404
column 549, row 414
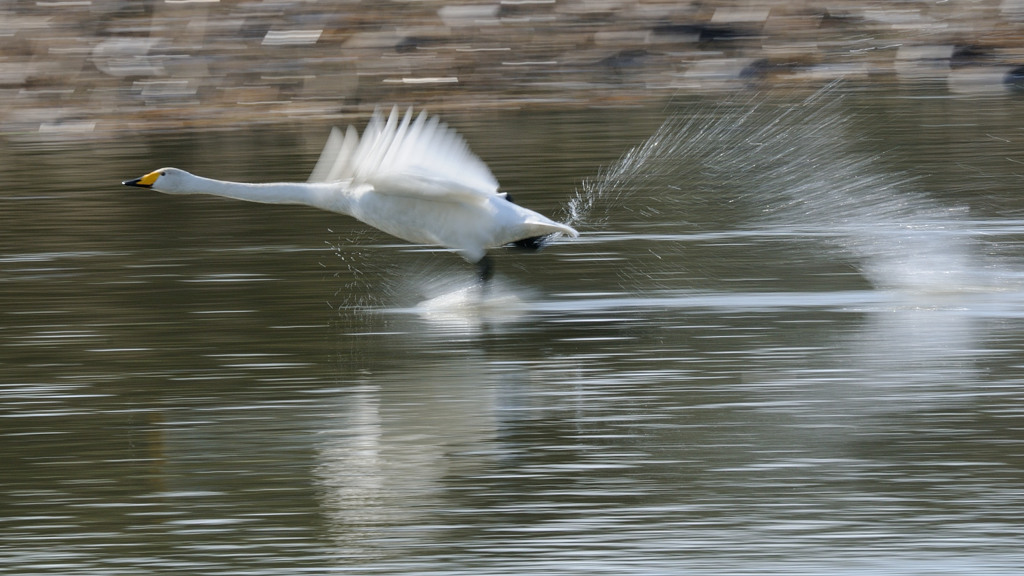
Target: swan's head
column 166, row 180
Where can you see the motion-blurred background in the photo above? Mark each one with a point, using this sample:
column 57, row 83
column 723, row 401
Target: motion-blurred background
column 95, row 66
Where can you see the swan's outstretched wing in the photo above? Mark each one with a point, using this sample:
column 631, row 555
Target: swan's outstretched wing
column 420, row 158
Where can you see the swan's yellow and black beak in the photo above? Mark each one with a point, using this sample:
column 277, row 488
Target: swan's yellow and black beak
column 144, row 182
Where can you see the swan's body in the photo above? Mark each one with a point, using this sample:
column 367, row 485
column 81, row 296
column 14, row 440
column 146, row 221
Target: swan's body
column 416, row 180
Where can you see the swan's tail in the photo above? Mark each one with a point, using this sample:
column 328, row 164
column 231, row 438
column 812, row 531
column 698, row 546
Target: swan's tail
column 544, row 230
column 539, row 241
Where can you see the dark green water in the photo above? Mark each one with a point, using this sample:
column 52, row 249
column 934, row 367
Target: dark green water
column 788, row 341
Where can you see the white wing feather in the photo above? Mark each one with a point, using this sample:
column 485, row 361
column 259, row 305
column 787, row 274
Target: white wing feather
column 422, row 158
column 328, row 157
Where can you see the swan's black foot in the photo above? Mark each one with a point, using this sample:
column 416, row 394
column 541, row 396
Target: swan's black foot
column 533, row 244
column 486, row 268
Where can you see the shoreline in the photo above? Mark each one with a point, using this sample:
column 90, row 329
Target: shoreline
column 102, row 68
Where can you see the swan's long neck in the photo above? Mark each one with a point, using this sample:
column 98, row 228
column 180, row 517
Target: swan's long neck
column 327, row 196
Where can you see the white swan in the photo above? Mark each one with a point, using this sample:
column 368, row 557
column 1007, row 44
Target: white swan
column 414, row 179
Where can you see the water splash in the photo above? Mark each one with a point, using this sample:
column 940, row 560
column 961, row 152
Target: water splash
column 356, row 269
column 800, row 168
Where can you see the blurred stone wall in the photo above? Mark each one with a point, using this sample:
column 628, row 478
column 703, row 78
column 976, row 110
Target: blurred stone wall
column 85, row 66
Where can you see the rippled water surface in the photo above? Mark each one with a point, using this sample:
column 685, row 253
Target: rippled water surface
column 788, row 341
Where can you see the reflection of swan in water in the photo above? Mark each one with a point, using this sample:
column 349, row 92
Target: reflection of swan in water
column 453, row 304
column 385, row 453
column 469, row 308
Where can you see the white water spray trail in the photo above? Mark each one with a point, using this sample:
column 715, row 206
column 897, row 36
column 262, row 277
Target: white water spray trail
column 770, row 163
